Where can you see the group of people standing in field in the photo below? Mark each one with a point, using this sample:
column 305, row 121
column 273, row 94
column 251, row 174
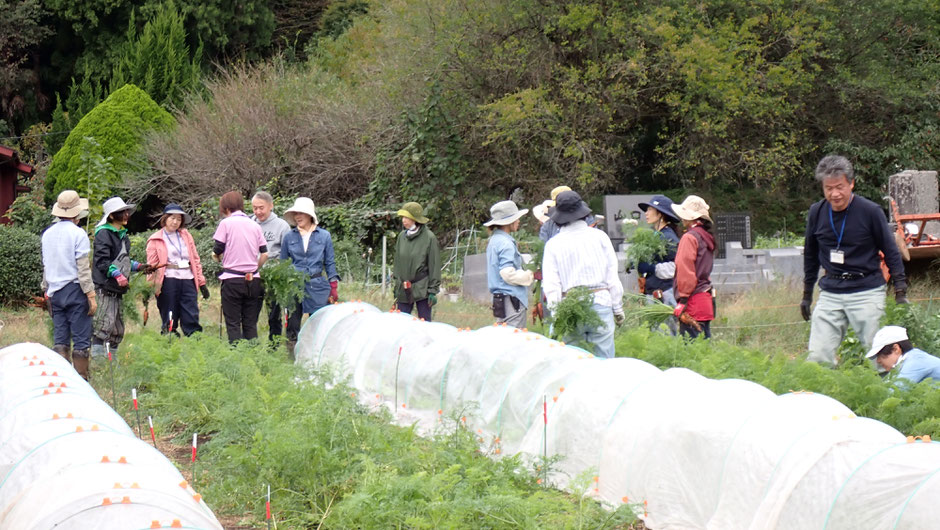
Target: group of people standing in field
column 846, row 236
column 579, row 255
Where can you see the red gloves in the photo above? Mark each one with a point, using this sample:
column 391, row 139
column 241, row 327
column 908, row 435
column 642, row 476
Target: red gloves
column 537, row 275
column 334, row 294
column 121, row 280
column 680, row 308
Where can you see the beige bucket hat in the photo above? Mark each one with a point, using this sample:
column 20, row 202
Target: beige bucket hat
column 505, row 213
column 301, row 205
column 692, row 208
column 68, row 205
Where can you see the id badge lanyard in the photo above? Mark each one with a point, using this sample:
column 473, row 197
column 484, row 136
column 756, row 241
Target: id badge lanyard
column 837, row 256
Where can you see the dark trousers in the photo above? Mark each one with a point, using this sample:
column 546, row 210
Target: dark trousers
column 70, row 320
column 275, row 320
column 690, row 332
column 241, row 306
column 424, row 309
column 179, row 296
column 293, row 322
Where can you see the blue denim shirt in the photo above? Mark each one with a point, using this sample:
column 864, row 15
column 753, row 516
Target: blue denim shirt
column 317, row 259
column 502, row 252
column 919, row 365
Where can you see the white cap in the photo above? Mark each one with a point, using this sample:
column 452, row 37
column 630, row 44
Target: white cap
column 885, row 336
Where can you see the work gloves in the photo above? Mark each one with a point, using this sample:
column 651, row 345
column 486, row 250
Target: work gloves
column 121, row 279
column 334, row 292
column 680, row 308
column 619, row 317
column 900, row 297
column 204, row 289
column 432, row 299
column 805, row 305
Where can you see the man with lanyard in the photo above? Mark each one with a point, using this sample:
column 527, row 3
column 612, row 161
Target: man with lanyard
column 582, row 256
column 844, row 234
column 274, row 229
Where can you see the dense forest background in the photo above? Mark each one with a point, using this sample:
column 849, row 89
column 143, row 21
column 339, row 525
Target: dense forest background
column 459, row 103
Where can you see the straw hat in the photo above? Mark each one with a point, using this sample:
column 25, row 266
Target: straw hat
column 692, row 208
column 301, row 205
column 885, row 336
column 568, row 208
column 413, row 211
column 68, row 205
column 540, row 211
column 505, row 213
column 114, row 205
column 558, row 190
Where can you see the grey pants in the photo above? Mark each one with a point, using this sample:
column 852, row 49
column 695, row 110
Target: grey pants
column 835, row 312
column 513, row 317
column 108, row 325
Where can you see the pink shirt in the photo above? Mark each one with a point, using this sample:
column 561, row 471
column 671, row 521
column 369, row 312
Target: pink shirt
column 243, row 240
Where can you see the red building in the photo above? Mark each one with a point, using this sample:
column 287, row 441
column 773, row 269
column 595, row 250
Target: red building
column 10, row 170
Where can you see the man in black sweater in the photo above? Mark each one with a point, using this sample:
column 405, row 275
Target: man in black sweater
column 844, row 234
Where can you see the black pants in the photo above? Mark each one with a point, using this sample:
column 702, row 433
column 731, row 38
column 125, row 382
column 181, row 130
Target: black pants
column 179, row 296
column 424, row 309
column 70, row 320
column 293, row 322
column 275, row 319
column 690, row 332
column 241, row 306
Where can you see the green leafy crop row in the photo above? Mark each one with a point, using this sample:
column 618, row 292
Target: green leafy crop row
column 913, row 409
column 331, row 462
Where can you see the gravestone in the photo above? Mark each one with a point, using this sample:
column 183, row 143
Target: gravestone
column 916, row 192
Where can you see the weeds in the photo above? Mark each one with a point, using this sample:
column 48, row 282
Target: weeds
column 331, row 462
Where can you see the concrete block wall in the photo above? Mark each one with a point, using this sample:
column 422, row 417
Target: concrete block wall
column 741, row 270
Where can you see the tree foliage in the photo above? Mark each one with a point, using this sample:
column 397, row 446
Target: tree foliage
column 158, row 60
column 107, row 138
column 20, row 34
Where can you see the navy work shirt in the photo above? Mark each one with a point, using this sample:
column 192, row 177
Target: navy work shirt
column 866, row 232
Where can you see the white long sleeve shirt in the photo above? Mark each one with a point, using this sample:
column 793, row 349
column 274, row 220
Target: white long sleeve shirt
column 581, row 256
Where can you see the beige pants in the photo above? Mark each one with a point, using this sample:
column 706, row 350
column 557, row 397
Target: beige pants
column 833, row 315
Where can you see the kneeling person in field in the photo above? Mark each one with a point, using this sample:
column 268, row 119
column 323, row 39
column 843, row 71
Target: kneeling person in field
column 891, row 349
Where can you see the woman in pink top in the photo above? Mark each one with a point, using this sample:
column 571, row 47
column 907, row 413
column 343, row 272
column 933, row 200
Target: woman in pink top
column 242, row 249
column 172, row 252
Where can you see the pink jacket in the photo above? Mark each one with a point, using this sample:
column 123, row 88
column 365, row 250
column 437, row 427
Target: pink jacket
column 157, row 255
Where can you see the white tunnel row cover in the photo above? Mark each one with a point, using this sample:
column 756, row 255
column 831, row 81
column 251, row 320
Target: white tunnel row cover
column 69, row 461
column 701, row 453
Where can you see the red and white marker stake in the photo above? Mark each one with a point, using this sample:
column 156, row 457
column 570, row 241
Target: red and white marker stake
column 136, row 411
column 171, row 322
column 194, row 460
column 267, row 508
column 152, row 436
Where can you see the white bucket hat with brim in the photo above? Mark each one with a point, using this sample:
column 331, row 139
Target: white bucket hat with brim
column 301, row 205
column 505, row 213
column 885, row 336
column 114, row 205
column 540, row 211
column 692, row 208
column 68, row 205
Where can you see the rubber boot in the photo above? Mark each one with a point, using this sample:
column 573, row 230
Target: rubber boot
column 291, row 344
column 80, row 362
column 64, row 351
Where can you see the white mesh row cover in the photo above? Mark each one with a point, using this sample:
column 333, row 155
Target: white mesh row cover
column 68, row 460
column 692, row 452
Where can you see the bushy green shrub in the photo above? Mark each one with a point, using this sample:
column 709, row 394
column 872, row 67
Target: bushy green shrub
column 20, row 264
column 117, row 125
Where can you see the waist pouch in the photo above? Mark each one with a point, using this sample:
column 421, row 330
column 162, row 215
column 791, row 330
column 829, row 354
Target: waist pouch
column 499, row 304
